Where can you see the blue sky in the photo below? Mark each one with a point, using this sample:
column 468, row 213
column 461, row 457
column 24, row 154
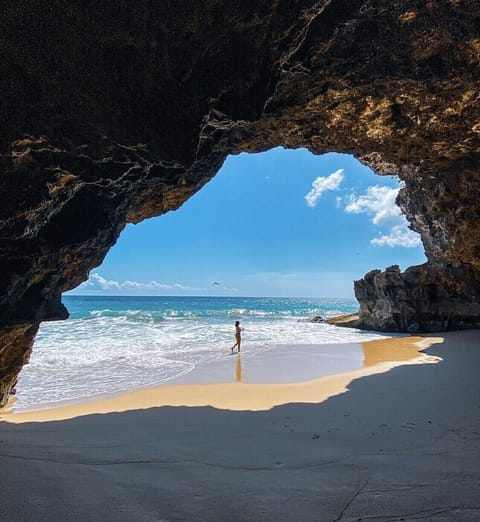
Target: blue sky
column 279, row 223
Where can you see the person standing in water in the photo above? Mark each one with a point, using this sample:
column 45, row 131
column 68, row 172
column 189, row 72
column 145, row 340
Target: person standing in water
column 238, row 336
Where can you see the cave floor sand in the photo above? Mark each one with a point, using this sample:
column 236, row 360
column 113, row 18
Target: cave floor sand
column 399, row 443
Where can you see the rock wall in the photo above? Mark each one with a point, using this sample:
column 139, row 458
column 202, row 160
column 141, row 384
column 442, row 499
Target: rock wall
column 113, row 112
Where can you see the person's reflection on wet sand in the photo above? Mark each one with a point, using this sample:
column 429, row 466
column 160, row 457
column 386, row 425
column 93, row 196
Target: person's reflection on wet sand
column 238, row 370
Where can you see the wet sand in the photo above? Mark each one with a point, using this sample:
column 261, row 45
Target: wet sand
column 280, row 375
column 398, row 443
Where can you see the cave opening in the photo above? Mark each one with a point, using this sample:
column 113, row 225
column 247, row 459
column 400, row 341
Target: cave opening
column 263, row 218
column 274, row 235
column 113, row 112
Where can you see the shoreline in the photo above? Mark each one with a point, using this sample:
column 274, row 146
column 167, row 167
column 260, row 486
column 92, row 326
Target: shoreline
column 212, row 385
column 401, row 443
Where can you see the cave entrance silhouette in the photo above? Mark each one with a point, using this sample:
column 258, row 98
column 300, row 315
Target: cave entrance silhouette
column 284, row 223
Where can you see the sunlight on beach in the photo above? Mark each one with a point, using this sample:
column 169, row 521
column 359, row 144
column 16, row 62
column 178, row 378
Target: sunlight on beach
column 232, row 393
column 394, row 350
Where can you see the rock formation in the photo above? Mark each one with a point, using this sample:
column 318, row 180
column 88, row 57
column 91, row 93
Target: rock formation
column 427, row 298
column 112, row 112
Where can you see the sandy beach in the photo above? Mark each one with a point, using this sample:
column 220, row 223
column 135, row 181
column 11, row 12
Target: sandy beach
column 396, row 438
column 282, row 375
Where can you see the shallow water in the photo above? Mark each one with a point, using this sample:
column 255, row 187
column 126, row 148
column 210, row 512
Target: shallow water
column 115, row 344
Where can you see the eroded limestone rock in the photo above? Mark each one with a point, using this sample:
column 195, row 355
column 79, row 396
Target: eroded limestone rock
column 113, row 112
column 426, row 298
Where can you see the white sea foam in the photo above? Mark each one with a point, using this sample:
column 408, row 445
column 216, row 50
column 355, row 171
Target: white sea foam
column 103, row 354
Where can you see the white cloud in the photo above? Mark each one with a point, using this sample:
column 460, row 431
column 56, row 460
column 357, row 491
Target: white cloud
column 399, row 236
column 379, row 202
column 96, row 282
column 323, row 183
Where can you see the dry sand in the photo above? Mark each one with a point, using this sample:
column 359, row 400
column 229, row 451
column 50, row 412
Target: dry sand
column 383, row 442
column 285, row 374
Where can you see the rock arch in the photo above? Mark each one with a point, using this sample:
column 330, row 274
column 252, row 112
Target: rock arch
column 113, row 112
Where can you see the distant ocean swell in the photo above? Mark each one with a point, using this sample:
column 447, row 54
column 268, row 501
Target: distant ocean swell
column 157, row 316
column 116, row 344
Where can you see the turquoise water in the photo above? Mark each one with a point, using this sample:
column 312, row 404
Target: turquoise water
column 158, row 309
column 115, row 344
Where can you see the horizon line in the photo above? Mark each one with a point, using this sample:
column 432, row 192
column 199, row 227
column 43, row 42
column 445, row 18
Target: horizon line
column 219, row 296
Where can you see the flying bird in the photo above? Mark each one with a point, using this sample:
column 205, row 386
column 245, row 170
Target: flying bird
column 216, row 283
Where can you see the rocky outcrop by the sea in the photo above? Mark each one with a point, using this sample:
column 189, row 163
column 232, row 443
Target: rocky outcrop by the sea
column 426, row 298
column 115, row 112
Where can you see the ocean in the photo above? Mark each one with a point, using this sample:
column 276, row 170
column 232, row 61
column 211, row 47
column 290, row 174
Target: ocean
column 115, row 344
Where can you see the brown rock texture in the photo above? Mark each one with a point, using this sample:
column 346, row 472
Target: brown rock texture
column 426, row 298
column 113, row 112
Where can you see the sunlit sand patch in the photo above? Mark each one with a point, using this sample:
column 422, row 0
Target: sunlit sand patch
column 378, row 357
column 398, row 349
